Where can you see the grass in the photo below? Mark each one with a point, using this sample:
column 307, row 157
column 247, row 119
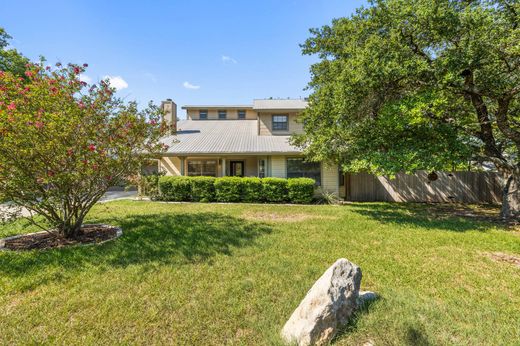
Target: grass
column 213, row 274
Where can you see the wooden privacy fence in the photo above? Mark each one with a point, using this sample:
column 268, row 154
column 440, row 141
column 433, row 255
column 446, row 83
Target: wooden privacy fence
column 462, row 187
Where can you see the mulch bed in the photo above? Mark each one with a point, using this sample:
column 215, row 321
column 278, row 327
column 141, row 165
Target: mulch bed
column 92, row 234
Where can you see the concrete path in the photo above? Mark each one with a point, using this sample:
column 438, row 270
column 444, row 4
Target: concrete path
column 115, row 195
column 109, row 196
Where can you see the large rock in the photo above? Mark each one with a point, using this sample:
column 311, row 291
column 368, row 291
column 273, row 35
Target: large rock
column 328, row 305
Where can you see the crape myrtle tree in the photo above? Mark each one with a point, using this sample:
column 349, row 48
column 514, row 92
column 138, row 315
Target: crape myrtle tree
column 406, row 85
column 64, row 143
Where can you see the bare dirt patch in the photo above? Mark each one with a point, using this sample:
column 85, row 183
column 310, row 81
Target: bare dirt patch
column 91, row 234
column 503, row 257
column 478, row 212
column 296, row 217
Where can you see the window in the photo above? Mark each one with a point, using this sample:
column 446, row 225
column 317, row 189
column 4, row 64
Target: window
column 261, row 168
column 280, row 123
column 202, row 167
column 241, row 114
column 297, row 168
column 222, row 114
column 203, row 114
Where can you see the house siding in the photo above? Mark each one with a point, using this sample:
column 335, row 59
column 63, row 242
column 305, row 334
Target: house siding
column 170, row 165
column 279, row 166
column 232, row 114
column 330, row 178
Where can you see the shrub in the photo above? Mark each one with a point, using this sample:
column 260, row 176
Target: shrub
column 326, row 197
column 274, row 190
column 228, row 189
column 202, row 189
column 175, row 188
column 301, row 190
column 252, row 189
column 63, row 143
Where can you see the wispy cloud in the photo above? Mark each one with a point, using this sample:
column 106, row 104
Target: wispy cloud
column 188, row 85
column 228, row 59
column 117, row 82
column 85, row 78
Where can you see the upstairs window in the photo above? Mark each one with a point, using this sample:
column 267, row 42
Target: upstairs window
column 203, row 114
column 222, row 114
column 280, row 123
column 297, row 167
column 241, row 114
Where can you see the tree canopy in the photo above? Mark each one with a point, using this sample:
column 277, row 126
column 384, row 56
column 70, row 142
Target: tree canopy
column 404, row 85
column 10, row 59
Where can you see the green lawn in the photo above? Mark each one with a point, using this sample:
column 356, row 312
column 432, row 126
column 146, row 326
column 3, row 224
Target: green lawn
column 213, row 274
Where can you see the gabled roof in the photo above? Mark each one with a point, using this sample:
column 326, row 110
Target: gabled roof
column 279, row 104
column 199, row 137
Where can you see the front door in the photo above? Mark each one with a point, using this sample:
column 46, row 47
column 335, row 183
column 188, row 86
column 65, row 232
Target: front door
column 237, row 168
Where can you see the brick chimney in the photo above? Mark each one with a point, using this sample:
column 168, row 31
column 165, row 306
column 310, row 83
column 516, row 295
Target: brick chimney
column 169, row 109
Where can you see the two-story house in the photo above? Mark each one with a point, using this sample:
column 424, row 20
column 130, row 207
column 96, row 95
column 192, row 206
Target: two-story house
column 242, row 140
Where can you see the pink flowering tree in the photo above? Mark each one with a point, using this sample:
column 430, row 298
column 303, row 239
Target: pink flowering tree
column 64, row 143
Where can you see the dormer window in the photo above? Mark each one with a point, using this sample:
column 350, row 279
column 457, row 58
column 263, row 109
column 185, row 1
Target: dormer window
column 280, row 123
column 241, row 114
column 203, row 114
column 222, row 114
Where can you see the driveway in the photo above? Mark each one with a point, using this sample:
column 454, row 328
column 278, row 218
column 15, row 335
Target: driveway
column 114, row 195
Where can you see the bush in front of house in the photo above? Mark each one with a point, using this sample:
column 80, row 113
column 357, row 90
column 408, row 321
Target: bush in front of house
column 175, row 189
column 228, row 189
column 301, row 190
column 202, row 189
column 252, row 190
column 236, row 189
column 275, row 190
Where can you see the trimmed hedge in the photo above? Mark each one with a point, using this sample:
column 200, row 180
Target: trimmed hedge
column 228, row 189
column 301, row 190
column 202, row 189
column 275, row 190
column 252, row 190
column 236, row 189
column 175, row 188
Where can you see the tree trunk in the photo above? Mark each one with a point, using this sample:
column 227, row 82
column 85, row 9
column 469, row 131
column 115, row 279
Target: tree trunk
column 71, row 229
column 511, row 197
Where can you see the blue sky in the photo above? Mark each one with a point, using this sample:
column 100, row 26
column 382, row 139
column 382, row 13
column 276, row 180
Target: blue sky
column 195, row 52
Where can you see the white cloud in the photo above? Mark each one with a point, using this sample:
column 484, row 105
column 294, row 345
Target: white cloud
column 228, row 59
column 85, row 78
column 117, row 82
column 188, row 85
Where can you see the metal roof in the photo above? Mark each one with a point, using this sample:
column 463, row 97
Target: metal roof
column 279, row 104
column 210, row 137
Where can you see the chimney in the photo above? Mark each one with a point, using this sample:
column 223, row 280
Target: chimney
column 169, row 109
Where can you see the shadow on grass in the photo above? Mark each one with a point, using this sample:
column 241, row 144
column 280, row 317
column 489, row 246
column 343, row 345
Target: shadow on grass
column 416, row 337
column 420, row 215
column 151, row 238
column 351, row 326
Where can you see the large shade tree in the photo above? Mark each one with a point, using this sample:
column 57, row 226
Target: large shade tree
column 404, row 85
column 63, row 143
column 10, row 59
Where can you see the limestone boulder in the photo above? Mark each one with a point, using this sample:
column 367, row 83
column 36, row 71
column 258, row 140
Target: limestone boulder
column 328, row 306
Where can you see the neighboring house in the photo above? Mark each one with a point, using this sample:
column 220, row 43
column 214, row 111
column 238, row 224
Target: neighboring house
column 242, row 140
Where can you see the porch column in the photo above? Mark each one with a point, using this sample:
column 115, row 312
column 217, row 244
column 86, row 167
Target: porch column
column 183, row 164
column 223, row 167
